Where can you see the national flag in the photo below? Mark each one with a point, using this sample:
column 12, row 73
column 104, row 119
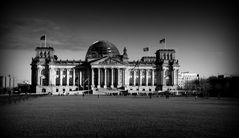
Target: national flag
column 136, row 64
column 146, row 49
column 43, row 37
column 162, row 41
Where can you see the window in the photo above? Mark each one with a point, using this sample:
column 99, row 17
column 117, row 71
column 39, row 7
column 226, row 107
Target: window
column 43, row 90
column 57, row 90
column 143, row 77
column 44, row 77
column 131, row 79
column 64, row 78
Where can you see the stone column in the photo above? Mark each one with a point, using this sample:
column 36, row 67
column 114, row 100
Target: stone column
column 38, row 76
column 140, row 78
column 67, row 77
column 172, row 77
column 175, row 77
column 60, row 77
column 54, row 78
column 105, row 85
column 92, row 78
column 152, row 77
column 134, row 79
column 74, row 77
column 112, row 77
column 98, row 86
column 124, row 78
column 80, row 78
column 118, row 69
column 49, row 76
column 146, row 77
column 163, row 77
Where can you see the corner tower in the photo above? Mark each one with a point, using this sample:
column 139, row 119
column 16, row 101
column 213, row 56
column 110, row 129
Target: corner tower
column 167, row 67
column 40, row 66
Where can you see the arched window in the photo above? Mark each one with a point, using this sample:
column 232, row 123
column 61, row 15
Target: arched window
column 64, row 81
column 44, row 76
column 137, row 77
column 40, row 54
column 71, row 77
column 143, row 77
column 131, row 79
column 43, row 90
column 168, row 78
column 57, row 77
column 45, row 54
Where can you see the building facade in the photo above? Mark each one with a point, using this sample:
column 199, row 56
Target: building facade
column 104, row 70
column 7, row 82
column 186, row 80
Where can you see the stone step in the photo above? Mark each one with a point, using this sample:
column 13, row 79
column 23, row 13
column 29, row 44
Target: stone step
column 108, row 90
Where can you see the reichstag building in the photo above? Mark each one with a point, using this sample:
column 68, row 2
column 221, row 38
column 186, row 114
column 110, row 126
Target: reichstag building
column 104, row 70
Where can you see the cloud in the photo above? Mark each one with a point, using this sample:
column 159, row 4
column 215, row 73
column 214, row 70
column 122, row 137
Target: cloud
column 25, row 34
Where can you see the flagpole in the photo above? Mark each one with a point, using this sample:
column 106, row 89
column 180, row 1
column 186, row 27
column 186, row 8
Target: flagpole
column 165, row 43
column 45, row 40
column 149, row 51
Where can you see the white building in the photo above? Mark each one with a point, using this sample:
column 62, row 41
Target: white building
column 185, row 79
column 8, row 82
column 104, row 70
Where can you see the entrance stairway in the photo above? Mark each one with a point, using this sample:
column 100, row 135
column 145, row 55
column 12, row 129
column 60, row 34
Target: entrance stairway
column 107, row 91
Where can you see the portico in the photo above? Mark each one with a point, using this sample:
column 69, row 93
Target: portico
column 107, row 77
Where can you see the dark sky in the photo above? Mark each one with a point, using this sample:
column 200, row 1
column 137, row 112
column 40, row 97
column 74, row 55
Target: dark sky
column 204, row 34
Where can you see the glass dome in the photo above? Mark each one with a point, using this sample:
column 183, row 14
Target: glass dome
column 100, row 49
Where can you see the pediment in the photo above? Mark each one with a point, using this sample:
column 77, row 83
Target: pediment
column 107, row 61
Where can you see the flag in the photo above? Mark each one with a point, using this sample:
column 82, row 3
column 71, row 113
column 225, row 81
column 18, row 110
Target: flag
column 136, row 64
column 162, row 41
column 146, row 49
column 43, row 37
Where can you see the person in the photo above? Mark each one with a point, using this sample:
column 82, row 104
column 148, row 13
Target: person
column 9, row 97
column 9, row 93
column 150, row 95
column 98, row 95
column 167, row 94
column 196, row 96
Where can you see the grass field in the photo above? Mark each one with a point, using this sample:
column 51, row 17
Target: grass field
column 119, row 116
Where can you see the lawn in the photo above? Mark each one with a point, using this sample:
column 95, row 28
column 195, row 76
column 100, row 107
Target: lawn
column 120, row 116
